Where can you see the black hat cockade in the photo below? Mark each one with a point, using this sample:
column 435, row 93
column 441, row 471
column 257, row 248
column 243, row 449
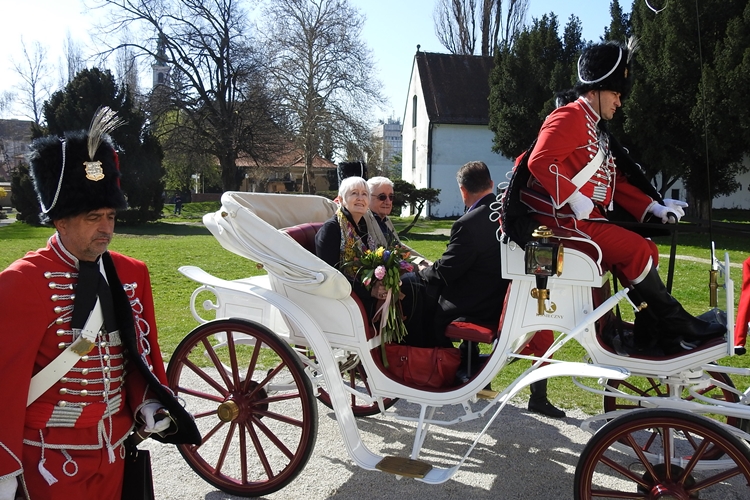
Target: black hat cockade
column 79, row 172
column 606, row 66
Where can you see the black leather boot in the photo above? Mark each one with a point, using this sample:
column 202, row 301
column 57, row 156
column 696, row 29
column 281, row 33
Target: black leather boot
column 538, row 402
column 672, row 320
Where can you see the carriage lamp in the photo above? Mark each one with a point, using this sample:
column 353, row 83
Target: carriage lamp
column 543, row 259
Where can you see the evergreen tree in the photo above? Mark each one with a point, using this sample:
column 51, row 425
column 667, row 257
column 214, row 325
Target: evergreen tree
column 23, row 196
column 525, row 79
column 683, row 114
column 140, row 153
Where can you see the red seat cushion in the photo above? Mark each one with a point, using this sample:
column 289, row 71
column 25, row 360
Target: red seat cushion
column 304, row 234
column 471, row 332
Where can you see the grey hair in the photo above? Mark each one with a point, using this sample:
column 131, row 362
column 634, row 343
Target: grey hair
column 376, row 182
column 348, row 184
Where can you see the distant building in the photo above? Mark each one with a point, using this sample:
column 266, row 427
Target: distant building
column 283, row 173
column 390, row 132
column 160, row 70
column 446, row 124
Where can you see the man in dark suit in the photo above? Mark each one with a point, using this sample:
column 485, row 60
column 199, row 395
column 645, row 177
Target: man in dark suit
column 468, row 281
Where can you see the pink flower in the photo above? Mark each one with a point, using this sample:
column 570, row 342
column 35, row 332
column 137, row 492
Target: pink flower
column 380, row 272
column 367, row 281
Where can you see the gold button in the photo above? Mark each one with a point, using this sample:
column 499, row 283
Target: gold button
column 59, row 321
column 57, row 309
column 84, row 382
column 54, row 297
column 64, row 380
column 52, row 285
column 102, row 344
column 68, row 275
column 48, row 275
column 63, row 391
column 85, row 371
column 106, row 357
column 61, row 345
column 85, row 358
column 62, row 403
column 105, row 369
column 60, row 333
column 84, row 392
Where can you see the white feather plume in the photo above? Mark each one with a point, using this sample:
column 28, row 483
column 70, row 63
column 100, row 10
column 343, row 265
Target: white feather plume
column 105, row 120
column 633, row 44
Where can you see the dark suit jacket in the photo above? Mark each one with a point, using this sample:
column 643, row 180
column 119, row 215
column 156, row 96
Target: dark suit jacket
column 468, row 275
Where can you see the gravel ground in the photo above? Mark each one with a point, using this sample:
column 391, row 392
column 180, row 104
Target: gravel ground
column 523, row 456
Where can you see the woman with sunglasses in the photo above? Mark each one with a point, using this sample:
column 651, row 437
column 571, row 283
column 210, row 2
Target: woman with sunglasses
column 379, row 226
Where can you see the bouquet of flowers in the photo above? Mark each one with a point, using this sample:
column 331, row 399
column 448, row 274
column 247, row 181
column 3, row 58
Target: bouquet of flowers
column 386, row 266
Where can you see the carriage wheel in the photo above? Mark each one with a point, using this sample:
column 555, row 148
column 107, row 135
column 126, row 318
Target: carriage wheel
column 355, row 378
column 253, row 404
column 653, row 387
column 660, row 454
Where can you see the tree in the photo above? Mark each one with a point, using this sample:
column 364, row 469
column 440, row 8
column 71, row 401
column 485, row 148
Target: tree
column 73, row 60
column 139, row 152
column 456, row 24
column 34, row 73
column 407, row 193
column 216, row 77
column 525, row 78
column 687, row 98
column 23, row 197
column 322, row 72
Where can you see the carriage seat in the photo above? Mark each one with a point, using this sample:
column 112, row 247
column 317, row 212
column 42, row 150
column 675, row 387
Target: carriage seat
column 304, row 234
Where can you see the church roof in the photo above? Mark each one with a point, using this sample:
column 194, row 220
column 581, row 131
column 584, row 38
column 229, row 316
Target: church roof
column 456, row 88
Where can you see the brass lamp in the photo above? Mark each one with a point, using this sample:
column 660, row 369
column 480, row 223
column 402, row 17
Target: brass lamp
column 543, row 259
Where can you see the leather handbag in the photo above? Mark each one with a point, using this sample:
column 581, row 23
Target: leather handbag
column 433, row 367
column 138, row 483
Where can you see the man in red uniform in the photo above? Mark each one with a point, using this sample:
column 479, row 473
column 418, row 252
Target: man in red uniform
column 68, row 410
column 576, row 181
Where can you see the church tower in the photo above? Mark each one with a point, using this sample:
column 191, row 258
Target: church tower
column 159, row 68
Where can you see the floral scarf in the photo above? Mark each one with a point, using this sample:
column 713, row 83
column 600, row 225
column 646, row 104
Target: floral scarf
column 351, row 243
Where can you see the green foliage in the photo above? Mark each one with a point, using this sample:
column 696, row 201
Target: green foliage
column 193, row 211
column 525, row 78
column 140, row 153
column 688, row 95
column 23, row 197
column 406, row 193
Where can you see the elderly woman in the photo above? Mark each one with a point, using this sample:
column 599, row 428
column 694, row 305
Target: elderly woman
column 336, row 241
column 379, row 226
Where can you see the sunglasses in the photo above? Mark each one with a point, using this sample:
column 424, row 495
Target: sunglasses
column 383, row 196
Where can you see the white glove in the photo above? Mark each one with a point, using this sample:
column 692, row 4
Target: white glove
column 8, row 488
column 663, row 212
column 148, row 411
column 676, row 207
column 581, row 205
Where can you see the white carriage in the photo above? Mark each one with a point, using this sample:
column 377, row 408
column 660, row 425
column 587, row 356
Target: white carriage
column 251, row 375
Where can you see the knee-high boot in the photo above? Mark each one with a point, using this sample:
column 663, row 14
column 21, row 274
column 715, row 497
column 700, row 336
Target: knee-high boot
column 672, row 320
column 539, row 403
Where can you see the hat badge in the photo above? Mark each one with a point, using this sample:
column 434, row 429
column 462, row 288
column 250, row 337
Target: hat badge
column 94, row 170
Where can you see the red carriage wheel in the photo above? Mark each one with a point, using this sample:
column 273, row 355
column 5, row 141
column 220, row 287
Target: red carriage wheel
column 253, row 404
column 661, row 454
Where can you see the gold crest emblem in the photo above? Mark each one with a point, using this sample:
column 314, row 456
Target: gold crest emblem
column 94, row 170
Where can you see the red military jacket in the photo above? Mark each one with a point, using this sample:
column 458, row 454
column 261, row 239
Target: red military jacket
column 78, row 411
column 568, row 140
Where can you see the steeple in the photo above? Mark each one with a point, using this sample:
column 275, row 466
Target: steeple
column 160, row 68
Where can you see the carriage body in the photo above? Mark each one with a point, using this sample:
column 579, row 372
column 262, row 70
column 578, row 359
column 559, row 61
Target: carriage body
column 309, row 305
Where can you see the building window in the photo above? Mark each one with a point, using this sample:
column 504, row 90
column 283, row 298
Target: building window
column 414, row 111
column 413, row 160
column 675, row 194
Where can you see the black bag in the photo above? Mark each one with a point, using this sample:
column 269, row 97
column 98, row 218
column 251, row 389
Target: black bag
column 515, row 217
column 138, row 484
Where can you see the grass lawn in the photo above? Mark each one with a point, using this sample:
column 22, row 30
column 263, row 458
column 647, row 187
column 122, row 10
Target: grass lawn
column 165, row 246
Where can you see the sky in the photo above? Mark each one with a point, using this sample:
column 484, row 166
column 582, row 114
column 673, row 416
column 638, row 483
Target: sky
column 392, row 30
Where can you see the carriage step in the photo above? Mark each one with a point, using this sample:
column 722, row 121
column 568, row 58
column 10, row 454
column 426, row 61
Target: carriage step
column 487, row 394
column 402, row 466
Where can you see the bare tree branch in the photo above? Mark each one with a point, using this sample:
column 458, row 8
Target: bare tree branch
column 456, row 22
column 34, row 72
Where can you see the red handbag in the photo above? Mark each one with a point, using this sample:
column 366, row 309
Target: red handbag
column 423, row 366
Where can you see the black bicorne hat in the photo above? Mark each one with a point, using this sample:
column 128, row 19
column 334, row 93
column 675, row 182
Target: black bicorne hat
column 79, row 172
column 351, row 168
column 606, row 66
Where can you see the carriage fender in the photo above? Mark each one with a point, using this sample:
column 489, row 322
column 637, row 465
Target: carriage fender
column 319, row 344
column 568, row 369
